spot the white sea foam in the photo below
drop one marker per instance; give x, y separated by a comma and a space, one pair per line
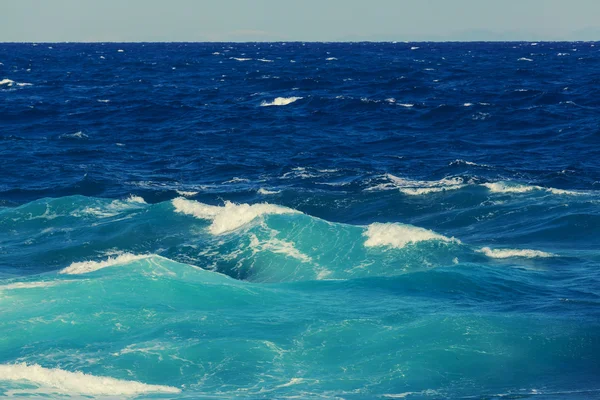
77, 382
84, 267
76, 135
468, 104
186, 193
415, 188
267, 192
240, 59
265, 60
8, 83
230, 216
399, 235
505, 187
510, 253
280, 101
103, 101
525, 59
27, 285
235, 179
278, 246
120, 51
406, 105
136, 199
415, 48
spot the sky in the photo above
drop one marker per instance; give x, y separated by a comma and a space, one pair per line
297, 20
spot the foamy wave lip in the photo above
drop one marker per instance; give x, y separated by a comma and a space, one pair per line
136, 199
76, 135
9, 82
511, 253
280, 101
506, 187
267, 192
186, 193
230, 216
416, 188
84, 267
78, 382
240, 59
525, 59
278, 246
399, 235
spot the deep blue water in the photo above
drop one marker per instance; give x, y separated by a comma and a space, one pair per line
309, 220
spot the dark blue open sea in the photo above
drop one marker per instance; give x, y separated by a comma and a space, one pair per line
300, 220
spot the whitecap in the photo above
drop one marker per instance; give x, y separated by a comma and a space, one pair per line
280, 101
9, 83
230, 216
330, 59
236, 180
506, 187
416, 188
415, 48
267, 192
265, 60
76, 135
399, 235
103, 101
406, 105
278, 246
121, 51
511, 253
84, 267
186, 193
240, 59
525, 59
78, 382
136, 199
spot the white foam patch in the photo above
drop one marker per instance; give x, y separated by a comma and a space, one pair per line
84, 267
278, 246
78, 382
186, 193
76, 135
7, 82
230, 216
400, 235
525, 59
265, 60
330, 59
416, 188
136, 199
240, 59
510, 253
280, 101
506, 187
27, 285
266, 192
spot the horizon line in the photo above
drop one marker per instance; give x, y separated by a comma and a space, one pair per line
296, 41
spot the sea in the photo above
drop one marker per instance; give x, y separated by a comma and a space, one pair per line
300, 220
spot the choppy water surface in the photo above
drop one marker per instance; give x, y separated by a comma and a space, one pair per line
357, 221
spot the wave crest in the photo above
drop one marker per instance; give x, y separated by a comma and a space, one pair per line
230, 216
78, 382
399, 235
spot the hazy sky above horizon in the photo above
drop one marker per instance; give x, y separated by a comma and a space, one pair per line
307, 20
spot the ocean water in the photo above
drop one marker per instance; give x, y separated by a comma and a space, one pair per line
300, 220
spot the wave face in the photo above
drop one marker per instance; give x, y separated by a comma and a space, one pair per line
299, 221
